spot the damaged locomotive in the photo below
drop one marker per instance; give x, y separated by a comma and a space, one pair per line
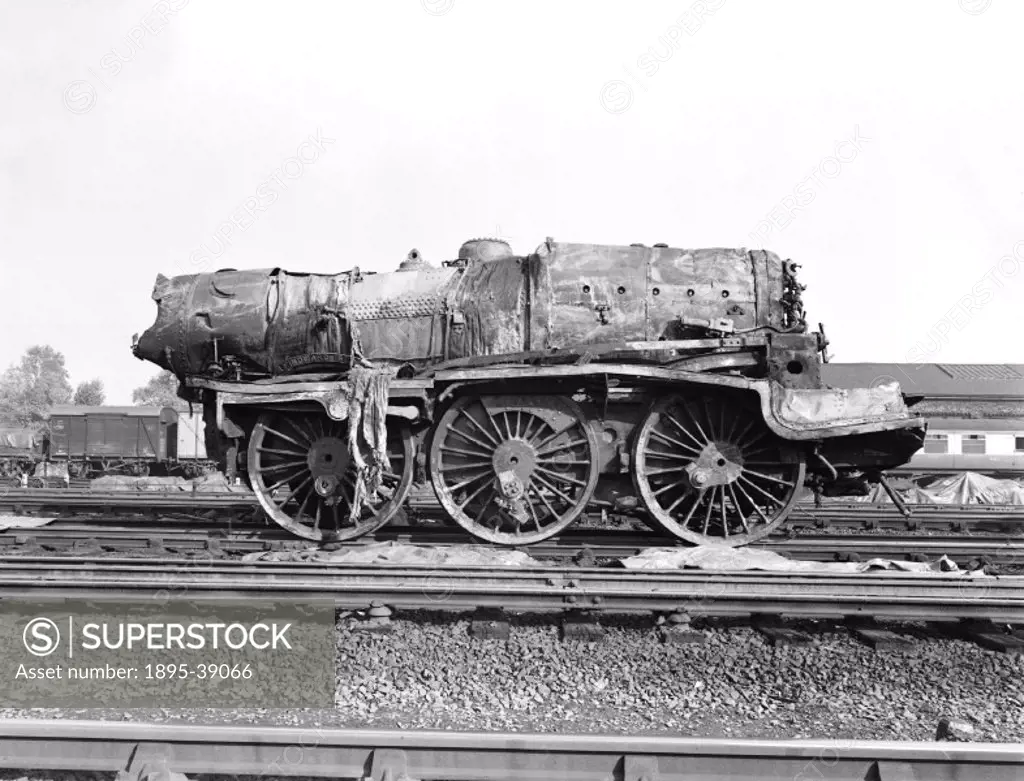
679, 386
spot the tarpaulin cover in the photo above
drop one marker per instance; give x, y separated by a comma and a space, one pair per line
17, 439
367, 415
124, 483
965, 488
971, 488
22, 522
213, 483
722, 559
58, 469
879, 495
399, 553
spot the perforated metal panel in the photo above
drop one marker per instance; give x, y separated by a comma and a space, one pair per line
384, 308
980, 371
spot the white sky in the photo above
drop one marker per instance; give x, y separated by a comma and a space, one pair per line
492, 117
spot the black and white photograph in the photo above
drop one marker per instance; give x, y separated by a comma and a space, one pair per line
504, 390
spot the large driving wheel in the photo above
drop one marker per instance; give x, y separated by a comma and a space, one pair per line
709, 470
306, 480
513, 469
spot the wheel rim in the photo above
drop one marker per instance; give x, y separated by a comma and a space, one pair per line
710, 472
304, 477
513, 470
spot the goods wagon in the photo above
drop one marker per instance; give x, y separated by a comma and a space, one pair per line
191, 437
20, 449
96, 441
113, 440
681, 386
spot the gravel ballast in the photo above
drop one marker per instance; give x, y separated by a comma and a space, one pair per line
428, 673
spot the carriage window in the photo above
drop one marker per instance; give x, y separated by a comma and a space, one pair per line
973, 444
1018, 444
936, 443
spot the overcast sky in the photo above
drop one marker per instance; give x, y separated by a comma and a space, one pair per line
876, 143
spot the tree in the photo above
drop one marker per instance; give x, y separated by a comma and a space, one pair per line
90, 393
160, 391
31, 387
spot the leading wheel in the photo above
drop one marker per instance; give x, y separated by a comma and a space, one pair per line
513, 469
709, 470
307, 481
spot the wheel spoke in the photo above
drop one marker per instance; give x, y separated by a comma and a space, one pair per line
530, 420
759, 489
552, 488
467, 453
563, 478
292, 493
480, 428
487, 503
668, 456
456, 467
285, 452
299, 465
693, 509
667, 470
740, 437
739, 509
725, 517
691, 416
276, 433
493, 422
473, 495
671, 441
302, 507
568, 446
673, 484
279, 483
544, 499
484, 447
754, 504
529, 504
767, 477
700, 445
464, 483
540, 445
707, 515
675, 504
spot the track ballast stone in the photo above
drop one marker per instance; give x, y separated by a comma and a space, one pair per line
429, 673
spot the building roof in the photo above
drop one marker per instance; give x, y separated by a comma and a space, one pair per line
932, 380
968, 425
132, 412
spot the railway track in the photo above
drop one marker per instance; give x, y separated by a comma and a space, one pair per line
184, 538
38, 501
888, 595
139, 751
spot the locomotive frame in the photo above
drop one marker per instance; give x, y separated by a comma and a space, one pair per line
680, 386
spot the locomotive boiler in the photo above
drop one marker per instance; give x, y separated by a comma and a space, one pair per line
680, 386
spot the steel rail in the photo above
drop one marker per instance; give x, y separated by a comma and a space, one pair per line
146, 501
138, 751
240, 538
424, 501
893, 595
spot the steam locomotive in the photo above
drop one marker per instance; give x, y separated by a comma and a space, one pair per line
679, 386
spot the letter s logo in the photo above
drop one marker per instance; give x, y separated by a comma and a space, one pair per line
41, 636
